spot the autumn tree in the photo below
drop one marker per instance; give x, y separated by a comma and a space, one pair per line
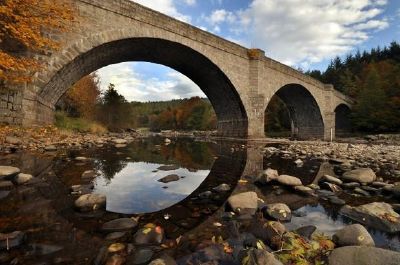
26, 27
82, 98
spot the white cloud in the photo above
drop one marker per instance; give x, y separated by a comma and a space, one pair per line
307, 31
220, 16
167, 7
136, 87
190, 2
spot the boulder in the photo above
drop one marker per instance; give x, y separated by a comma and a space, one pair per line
362, 175
363, 255
119, 141
353, 235
90, 202
119, 225
22, 178
278, 211
289, 180
150, 234
379, 215
169, 178
242, 203
222, 188
267, 176
7, 171
331, 179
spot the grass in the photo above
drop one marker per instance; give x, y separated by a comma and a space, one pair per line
62, 121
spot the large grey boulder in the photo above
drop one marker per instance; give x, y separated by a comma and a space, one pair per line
242, 203
289, 180
362, 255
362, 175
379, 215
353, 235
7, 171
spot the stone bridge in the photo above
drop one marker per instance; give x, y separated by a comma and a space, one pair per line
239, 82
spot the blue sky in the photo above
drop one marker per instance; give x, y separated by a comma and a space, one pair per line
301, 33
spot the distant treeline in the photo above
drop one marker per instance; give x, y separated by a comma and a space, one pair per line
373, 80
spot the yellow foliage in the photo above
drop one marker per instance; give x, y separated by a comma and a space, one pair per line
26, 26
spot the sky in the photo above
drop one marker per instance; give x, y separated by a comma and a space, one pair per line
304, 34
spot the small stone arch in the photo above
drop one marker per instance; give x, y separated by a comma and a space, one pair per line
231, 114
304, 111
343, 126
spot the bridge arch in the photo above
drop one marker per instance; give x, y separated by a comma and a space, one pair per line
79, 60
342, 120
304, 111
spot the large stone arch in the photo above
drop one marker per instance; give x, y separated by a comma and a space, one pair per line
305, 112
88, 55
343, 125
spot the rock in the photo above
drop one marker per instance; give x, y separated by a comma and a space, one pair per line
168, 167
4, 194
289, 180
7, 171
50, 148
116, 260
330, 186
377, 215
81, 158
331, 179
306, 231
299, 163
278, 211
362, 255
116, 247
150, 234
88, 174
260, 256
305, 190
163, 260
119, 225
120, 145
362, 175
13, 140
267, 176
336, 200
116, 236
396, 190
205, 195
119, 141
6, 184
142, 256
90, 202
44, 249
169, 178
222, 188
11, 240
211, 255
22, 178
361, 192
351, 185
353, 235
379, 184
273, 232
244, 203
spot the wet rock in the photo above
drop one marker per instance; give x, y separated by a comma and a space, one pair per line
304, 190
336, 200
396, 190
379, 184
116, 260
142, 256
88, 174
306, 231
81, 158
289, 180
169, 178
260, 256
205, 195
353, 235
150, 234
213, 253
11, 240
222, 188
377, 215
7, 171
362, 255
267, 176
351, 185
119, 141
362, 175
361, 192
50, 148
278, 211
299, 163
370, 189
6, 184
44, 249
273, 232
331, 179
116, 247
330, 186
4, 194
120, 145
22, 178
168, 167
115, 236
119, 225
244, 203
163, 260
90, 202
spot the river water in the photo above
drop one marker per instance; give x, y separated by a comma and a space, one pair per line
130, 178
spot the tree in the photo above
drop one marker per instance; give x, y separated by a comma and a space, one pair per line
26, 27
82, 98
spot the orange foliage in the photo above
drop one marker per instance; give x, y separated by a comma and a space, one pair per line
26, 26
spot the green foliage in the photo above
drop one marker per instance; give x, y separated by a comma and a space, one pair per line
373, 80
277, 118
63, 121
